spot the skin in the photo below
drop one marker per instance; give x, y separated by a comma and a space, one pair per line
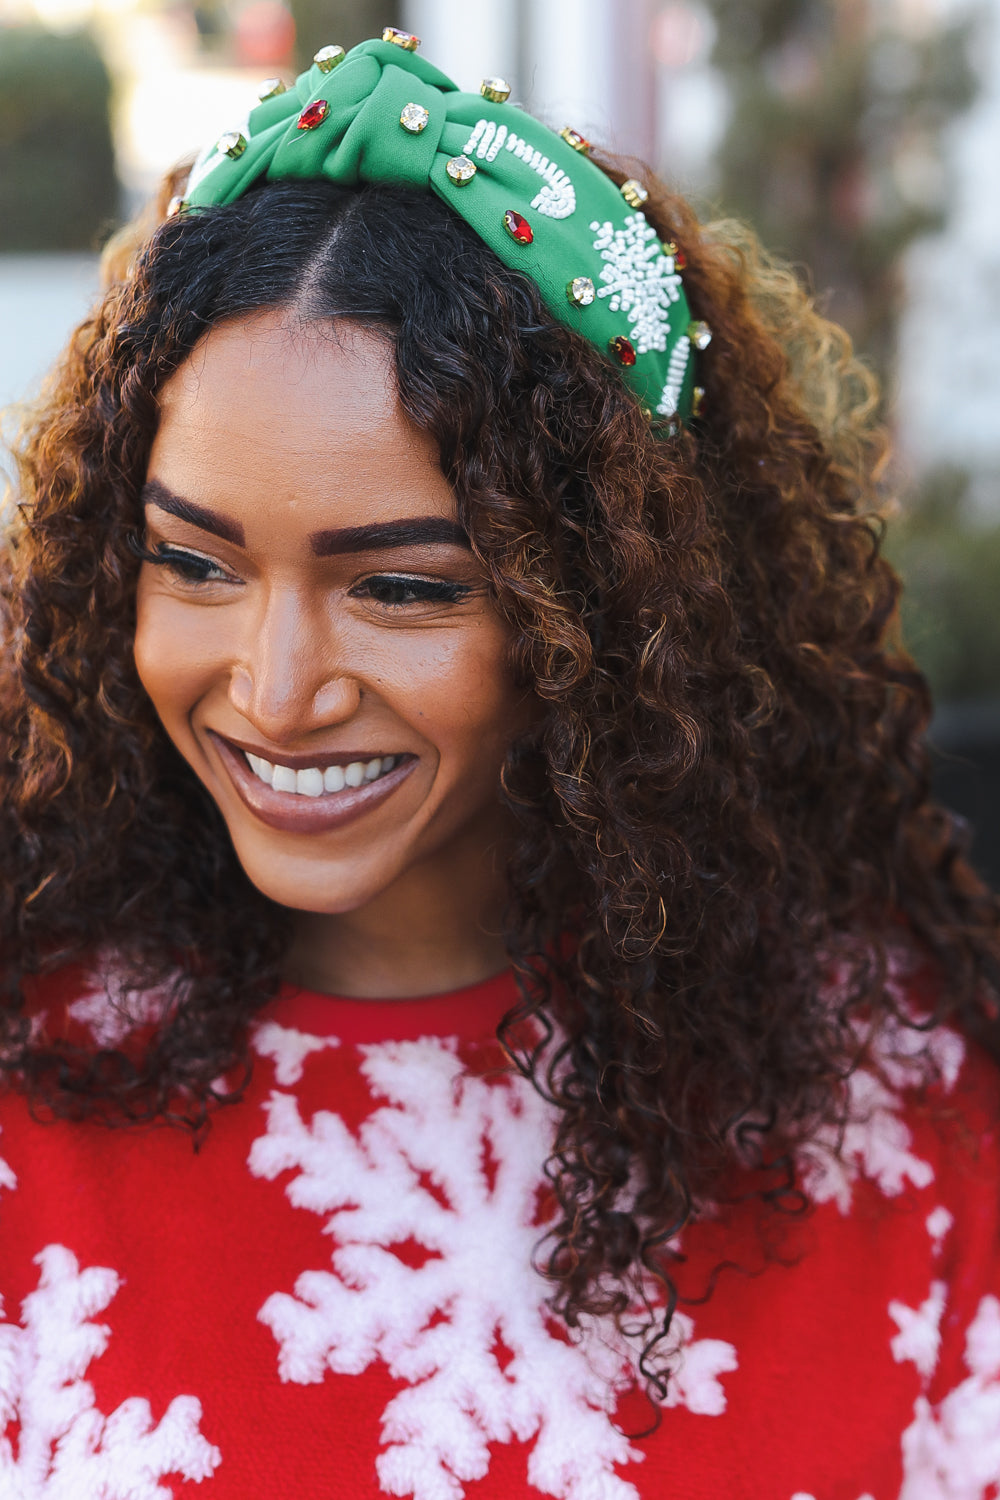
282, 430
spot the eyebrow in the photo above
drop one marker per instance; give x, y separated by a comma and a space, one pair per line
378, 536
155, 493
381, 535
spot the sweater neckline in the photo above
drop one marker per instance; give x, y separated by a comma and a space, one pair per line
471, 1013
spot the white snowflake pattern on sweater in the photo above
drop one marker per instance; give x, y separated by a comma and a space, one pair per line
452, 1163
65, 1448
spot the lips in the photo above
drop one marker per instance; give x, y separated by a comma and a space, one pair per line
292, 813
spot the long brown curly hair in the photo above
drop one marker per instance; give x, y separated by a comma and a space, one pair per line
725, 796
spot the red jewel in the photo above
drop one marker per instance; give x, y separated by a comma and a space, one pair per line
314, 114
622, 349
518, 228
680, 261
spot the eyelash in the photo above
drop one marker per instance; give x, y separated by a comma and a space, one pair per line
420, 590
191, 568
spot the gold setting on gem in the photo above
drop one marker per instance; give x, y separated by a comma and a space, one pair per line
580, 291
460, 170
633, 192
700, 334
404, 39
328, 58
575, 139
496, 90
232, 144
697, 401
413, 118
271, 88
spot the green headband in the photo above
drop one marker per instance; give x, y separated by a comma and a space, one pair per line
381, 114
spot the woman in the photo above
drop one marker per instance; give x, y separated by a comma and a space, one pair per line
446, 596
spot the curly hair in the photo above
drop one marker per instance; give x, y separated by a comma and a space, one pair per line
725, 798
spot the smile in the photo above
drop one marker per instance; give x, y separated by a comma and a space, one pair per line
313, 781
311, 798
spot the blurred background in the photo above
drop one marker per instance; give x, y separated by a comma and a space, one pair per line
860, 137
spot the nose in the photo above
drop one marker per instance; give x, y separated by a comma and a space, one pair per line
289, 679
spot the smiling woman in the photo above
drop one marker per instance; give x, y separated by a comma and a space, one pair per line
343, 691
462, 774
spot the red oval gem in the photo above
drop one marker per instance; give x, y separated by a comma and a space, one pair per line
518, 228
623, 349
314, 114
680, 261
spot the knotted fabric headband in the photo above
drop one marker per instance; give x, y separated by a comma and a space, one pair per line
380, 113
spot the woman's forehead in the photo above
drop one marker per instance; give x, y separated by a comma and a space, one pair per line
275, 417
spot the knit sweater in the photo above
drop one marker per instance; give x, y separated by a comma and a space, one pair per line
334, 1298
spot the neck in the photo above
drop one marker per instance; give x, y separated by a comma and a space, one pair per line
426, 935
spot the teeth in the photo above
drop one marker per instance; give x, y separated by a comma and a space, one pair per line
312, 782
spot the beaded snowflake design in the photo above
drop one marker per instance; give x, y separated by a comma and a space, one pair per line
638, 279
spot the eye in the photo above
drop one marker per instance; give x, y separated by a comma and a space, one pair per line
396, 590
189, 567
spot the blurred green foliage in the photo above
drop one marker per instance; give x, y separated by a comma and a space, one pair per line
833, 148
58, 189
342, 23
951, 567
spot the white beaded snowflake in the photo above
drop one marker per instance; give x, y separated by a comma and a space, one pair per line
638, 279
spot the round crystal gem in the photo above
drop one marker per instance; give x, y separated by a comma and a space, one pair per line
623, 349
271, 88
414, 118
497, 90
327, 58
232, 144
404, 39
574, 138
634, 193
314, 114
518, 227
580, 291
461, 170
700, 334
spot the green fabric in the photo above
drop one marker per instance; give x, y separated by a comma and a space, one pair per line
582, 225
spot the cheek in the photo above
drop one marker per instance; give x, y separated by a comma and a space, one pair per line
469, 704
176, 657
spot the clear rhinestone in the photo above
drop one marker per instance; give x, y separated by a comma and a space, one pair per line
700, 334
634, 193
414, 118
177, 205
404, 39
271, 88
232, 144
461, 170
575, 139
497, 90
580, 291
327, 58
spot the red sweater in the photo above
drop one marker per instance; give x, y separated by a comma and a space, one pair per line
333, 1299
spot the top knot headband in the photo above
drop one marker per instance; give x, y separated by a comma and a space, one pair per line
379, 113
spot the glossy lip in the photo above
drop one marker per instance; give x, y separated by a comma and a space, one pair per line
291, 813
